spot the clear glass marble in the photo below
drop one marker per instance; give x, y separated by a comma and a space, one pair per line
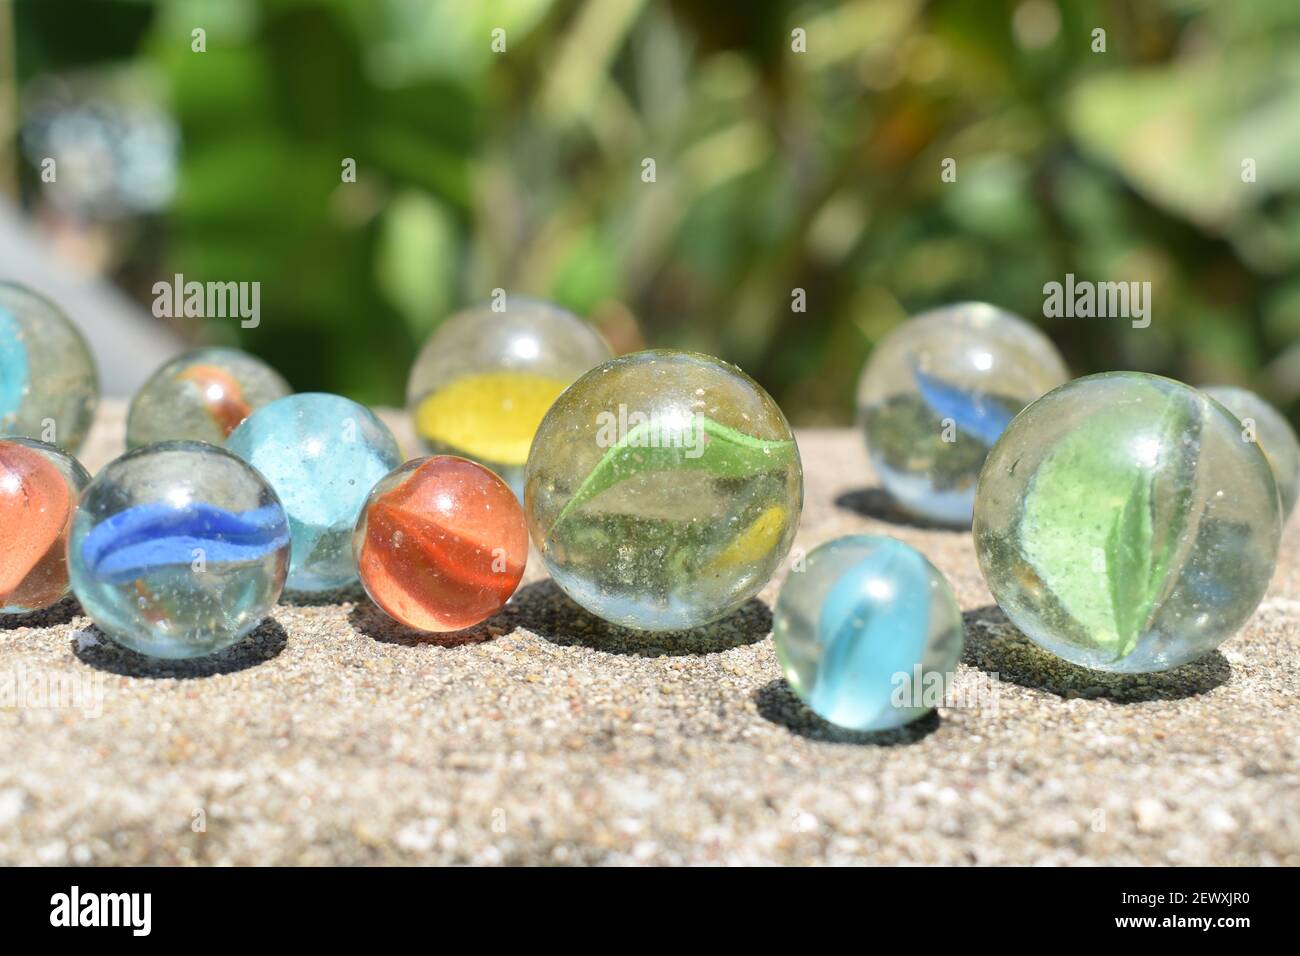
201, 395
48, 384
1122, 523
178, 549
322, 454
1264, 425
663, 489
868, 632
936, 394
484, 379
39, 489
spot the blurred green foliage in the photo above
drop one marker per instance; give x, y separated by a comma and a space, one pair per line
775, 170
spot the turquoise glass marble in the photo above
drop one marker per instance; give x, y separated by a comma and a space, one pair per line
1122, 523
936, 394
202, 395
322, 454
663, 489
866, 631
1262, 424
48, 384
178, 549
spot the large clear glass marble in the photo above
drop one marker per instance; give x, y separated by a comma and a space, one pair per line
936, 394
868, 632
1123, 524
322, 454
178, 549
484, 379
441, 544
39, 488
48, 384
201, 395
663, 489
1264, 425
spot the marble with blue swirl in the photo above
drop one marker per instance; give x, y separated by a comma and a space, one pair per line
976, 413
937, 394
153, 537
178, 549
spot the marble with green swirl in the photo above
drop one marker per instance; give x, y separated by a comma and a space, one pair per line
1123, 525
663, 489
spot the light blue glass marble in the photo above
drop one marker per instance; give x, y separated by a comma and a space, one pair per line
178, 549
859, 624
48, 384
322, 454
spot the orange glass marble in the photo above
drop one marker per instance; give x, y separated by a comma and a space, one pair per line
441, 543
39, 488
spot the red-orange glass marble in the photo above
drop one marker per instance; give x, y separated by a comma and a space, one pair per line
39, 488
441, 543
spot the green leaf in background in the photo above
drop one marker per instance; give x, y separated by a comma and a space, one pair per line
1179, 133
776, 170
415, 260
588, 274
727, 453
439, 38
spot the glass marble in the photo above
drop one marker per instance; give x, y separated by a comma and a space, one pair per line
39, 488
1264, 425
441, 543
48, 384
936, 394
178, 549
484, 379
1122, 523
663, 489
322, 454
201, 395
866, 631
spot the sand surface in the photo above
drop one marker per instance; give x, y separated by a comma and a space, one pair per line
333, 735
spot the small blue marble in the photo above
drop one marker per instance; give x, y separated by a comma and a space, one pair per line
322, 454
855, 627
178, 549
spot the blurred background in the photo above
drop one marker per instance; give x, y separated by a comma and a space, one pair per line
780, 163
